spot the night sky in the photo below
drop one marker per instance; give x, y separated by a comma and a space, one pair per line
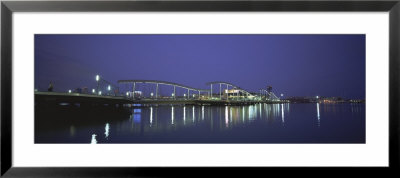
295, 65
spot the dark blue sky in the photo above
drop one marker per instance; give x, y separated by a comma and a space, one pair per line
295, 65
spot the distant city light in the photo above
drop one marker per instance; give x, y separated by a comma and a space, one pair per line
93, 91
151, 94
109, 87
194, 95
172, 94
184, 94
69, 91
99, 92
281, 94
317, 97
127, 93
97, 77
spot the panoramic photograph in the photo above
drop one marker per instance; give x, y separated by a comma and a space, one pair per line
199, 88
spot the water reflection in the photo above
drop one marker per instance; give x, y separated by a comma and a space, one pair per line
269, 120
283, 115
72, 130
94, 141
226, 117
184, 115
107, 130
151, 116
193, 114
202, 112
318, 115
172, 115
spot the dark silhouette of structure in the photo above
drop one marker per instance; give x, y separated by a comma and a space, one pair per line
51, 86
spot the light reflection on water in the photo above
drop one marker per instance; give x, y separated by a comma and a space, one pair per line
260, 123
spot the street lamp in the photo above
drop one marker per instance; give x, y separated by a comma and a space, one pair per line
151, 94
127, 93
97, 80
99, 92
69, 91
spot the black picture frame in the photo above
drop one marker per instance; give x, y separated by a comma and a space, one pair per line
8, 7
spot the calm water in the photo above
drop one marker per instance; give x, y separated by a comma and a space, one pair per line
261, 123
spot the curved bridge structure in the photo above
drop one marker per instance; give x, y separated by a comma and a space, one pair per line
159, 82
227, 87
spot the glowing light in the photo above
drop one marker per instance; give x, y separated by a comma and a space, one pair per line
172, 94
243, 113
109, 87
151, 94
184, 95
172, 115
107, 128
99, 92
97, 77
184, 115
94, 141
318, 114
151, 116
69, 91
317, 97
226, 117
93, 91
283, 114
127, 93
36, 90
202, 112
194, 95
193, 113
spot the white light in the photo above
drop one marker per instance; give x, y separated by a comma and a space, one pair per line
99, 92
109, 87
127, 93
317, 97
226, 117
151, 116
94, 141
193, 114
281, 94
184, 95
194, 95
172, 94
151, 94
69, 91
97, 77
93, 91
107, 130
172, 115
184, 115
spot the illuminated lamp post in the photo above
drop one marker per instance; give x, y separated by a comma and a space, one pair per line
97, 80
